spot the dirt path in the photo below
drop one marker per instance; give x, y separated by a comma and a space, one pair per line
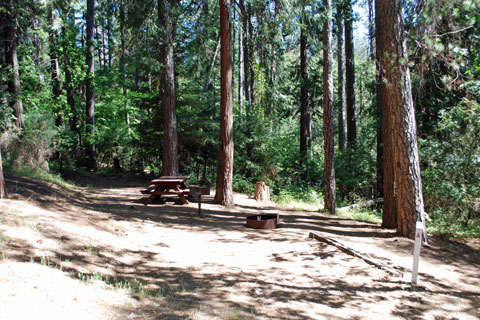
172, 264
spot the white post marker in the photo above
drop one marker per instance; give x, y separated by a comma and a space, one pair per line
419, 229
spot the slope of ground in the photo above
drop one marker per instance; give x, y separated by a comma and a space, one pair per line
166, 262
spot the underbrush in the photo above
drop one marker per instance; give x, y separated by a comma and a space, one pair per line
304, 198
454, 228
39, 174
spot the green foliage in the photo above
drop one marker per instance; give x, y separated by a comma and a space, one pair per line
364, 214
42, 175
299, 198
243, 185
451, 162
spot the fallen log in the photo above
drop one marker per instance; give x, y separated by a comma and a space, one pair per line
354, 253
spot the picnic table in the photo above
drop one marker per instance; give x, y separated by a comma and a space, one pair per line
166, 186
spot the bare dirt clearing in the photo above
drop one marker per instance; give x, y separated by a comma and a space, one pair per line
166, 262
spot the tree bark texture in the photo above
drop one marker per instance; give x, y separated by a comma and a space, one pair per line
89, 90
350, 77
10, 36
397, 106
224, 189
341, 87
167, 78
304, 112
328, 114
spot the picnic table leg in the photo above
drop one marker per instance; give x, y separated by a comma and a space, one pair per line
150, 199
199, 204
182, 197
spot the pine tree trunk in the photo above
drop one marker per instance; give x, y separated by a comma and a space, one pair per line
167, 78
109, 33
12, 62
224, 192
328, 115
350, 77
397, 103
304, 112
90, 96
122, 64
341, 87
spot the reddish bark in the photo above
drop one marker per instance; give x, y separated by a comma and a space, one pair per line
224, 190
328, 116
402, 153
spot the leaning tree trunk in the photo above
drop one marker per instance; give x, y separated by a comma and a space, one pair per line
350, 77
224, 192
89, 90
167, 78
341, 88
11, 59
328, 116
397, 105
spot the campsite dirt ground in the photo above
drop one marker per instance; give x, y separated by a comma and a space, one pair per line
164, 261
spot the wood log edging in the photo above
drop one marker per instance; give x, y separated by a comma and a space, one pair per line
357, 254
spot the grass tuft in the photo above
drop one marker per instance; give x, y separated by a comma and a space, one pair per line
364, 214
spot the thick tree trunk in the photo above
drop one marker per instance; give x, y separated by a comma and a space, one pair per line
341, 87
397, 105
224, 192
90, 96
167, 78
304, 112
12, 63
388, 219
328, 115
350, 77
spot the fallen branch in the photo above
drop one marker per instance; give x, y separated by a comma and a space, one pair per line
354, 253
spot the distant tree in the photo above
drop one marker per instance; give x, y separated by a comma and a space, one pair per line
341, 80
89, 89
11, 59
224, 189
168, 93
400, 130
3, 193
350, 75
304, 103
328, 115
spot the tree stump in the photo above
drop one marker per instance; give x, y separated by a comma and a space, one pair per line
262, 191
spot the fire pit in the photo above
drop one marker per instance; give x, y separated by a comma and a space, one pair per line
263, 221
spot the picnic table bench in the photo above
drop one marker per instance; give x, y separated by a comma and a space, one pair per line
167, 186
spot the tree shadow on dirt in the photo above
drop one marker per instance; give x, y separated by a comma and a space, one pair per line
182, 289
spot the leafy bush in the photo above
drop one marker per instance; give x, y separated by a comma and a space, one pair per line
451, 168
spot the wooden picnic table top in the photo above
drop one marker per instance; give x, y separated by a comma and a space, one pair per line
170, 179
